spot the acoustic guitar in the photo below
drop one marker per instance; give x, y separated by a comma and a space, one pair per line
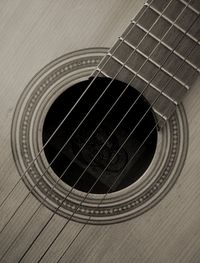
100, 131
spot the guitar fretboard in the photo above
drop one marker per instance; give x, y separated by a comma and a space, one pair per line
159, 53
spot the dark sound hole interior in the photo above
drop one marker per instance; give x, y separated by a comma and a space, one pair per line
101, 156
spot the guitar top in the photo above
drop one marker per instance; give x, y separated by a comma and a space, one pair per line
51, 52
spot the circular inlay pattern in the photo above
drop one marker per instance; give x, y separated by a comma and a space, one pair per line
37, 174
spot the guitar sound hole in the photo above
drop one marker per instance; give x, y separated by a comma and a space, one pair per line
105, 155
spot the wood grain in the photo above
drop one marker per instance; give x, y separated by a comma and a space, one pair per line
32, 34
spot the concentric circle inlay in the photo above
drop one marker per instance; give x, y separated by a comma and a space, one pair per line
40, 179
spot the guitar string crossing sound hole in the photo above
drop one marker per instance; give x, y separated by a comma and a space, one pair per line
97, 150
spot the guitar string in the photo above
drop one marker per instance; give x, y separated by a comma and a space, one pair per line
155, 126
96, 128
67, 115
55, 157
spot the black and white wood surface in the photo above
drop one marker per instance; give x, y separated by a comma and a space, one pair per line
34, 33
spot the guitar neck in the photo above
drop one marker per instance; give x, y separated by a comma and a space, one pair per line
159, 53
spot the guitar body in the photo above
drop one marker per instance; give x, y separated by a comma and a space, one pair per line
34, 33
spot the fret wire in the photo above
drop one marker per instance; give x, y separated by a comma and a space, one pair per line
160, 114
102, 72
140, 76
170, 21
190, 7
167, 46
156, 64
